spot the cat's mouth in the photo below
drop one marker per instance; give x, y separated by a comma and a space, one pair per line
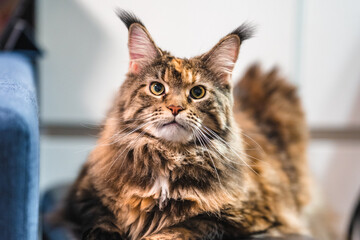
173, 131
173, 123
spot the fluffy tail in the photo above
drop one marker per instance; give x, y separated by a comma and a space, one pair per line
274, 107
273, 104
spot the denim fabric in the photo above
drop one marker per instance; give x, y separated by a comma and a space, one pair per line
19, 149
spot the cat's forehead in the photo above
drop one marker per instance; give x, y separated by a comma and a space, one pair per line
180, 72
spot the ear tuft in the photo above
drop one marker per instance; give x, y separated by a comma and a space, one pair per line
128, 18
142, 49
221, 58
244, 32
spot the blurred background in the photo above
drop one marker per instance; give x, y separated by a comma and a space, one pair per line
315, 43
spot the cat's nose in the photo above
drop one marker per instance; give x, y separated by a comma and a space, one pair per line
175, 109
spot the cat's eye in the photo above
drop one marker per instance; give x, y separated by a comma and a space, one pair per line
157, 88
197, 92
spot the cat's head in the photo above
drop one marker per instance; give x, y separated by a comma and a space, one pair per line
177, 99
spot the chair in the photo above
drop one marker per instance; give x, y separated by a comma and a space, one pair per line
19, 148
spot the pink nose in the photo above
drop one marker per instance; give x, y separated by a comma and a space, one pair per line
175, 109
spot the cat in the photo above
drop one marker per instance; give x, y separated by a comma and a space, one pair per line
184, 154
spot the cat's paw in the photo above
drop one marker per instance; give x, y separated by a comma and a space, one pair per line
100, 234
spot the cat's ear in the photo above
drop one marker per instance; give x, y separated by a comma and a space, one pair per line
142, 49
222, 57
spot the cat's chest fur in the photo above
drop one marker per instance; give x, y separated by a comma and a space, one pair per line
165, 188
155, 204
160, 191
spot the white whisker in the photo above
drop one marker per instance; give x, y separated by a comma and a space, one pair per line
226, 144
251, 139
128, 146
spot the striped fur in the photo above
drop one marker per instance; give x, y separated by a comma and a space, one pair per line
244, 174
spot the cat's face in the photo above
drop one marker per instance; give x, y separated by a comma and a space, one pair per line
173, 99
181, 97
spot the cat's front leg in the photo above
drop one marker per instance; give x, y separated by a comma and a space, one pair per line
191, 230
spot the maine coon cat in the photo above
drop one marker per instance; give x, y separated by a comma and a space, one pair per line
181, 156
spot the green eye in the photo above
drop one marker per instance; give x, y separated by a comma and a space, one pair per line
157, 88
197, 92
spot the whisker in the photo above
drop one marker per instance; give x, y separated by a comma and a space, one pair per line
241, 153
121, 135
134, 141
250, 138
221, 154
196, 129
212, 146
126, 148
219, 138
226, 144
213, 163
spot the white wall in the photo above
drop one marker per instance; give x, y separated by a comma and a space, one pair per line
330, 66
315, 42
86, 44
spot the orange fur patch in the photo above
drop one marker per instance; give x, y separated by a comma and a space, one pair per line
187, 74
178, 64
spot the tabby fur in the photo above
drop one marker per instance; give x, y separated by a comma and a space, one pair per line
245, 172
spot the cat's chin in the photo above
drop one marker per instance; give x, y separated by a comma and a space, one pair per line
173, 132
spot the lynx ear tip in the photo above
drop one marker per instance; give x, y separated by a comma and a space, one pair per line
244, 31
128, 18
